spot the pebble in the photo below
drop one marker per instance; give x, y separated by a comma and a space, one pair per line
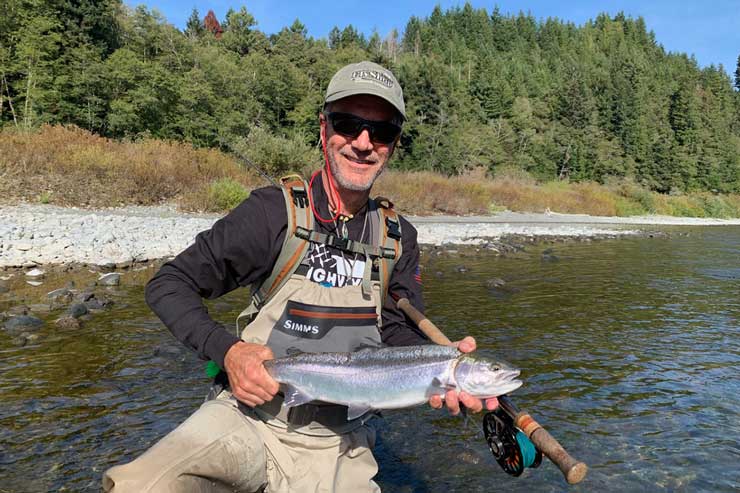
35, 273
68, 322
77, 310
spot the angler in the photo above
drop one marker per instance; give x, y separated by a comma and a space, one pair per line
244, 438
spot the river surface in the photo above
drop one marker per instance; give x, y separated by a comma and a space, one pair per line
629, 348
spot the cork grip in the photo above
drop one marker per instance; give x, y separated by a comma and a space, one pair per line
573, 470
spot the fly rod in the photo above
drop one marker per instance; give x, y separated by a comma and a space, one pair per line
573, 470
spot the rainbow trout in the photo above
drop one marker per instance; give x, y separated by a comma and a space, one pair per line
388, 378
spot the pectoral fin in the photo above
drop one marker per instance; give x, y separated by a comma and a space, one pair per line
294, 397
357, 410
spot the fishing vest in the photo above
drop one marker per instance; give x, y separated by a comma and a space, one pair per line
290, 312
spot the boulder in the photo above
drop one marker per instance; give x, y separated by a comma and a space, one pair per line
110, 279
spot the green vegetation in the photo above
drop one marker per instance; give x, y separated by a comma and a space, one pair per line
601, 106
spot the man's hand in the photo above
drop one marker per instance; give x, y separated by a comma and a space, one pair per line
250, 383
452, 399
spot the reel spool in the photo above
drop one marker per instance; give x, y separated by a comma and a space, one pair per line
511, 448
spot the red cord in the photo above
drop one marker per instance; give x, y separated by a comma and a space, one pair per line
332, 189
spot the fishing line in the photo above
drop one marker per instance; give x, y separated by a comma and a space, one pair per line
527, 448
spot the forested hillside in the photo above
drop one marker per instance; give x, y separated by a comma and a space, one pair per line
483, 89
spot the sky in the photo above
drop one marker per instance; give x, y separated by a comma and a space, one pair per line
710, 30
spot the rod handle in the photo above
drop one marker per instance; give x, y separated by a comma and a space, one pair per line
426, 326
573, 470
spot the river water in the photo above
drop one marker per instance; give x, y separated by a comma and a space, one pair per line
629, 348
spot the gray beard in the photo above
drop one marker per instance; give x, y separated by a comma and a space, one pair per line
355, 187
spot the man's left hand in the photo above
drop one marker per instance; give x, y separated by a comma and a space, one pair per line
453, 399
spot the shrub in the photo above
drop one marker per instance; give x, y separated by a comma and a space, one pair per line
225, 194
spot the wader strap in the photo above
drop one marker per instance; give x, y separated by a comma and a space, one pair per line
390, 239
295, 193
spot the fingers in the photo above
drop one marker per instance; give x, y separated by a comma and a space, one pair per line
250, 382
466, 345
453, 400
436, 401
491, 403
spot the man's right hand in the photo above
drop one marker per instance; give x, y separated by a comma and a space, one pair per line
250, 383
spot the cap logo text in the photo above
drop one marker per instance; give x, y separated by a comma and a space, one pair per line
373, 75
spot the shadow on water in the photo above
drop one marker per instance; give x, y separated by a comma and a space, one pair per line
630, 353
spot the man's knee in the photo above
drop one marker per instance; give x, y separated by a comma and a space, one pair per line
217, 448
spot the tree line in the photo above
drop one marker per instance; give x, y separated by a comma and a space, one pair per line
483, 89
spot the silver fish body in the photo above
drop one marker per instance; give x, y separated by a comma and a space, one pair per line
388, 378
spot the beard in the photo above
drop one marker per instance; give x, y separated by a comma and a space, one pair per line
346, 183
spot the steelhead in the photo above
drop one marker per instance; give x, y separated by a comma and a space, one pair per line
388, 378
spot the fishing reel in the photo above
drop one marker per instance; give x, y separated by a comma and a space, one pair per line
513, 451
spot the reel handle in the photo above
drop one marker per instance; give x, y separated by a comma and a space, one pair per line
573, 470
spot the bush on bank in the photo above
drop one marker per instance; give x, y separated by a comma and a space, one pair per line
68, 166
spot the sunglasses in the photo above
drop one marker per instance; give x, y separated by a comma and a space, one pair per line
352, 126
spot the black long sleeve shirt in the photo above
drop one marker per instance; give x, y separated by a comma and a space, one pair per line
240, 250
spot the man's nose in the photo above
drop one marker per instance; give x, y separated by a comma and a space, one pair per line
363, 142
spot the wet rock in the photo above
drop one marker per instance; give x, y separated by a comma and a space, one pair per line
68, 322
77, 310
20, 340
98, 303
35, 284
23, 322
110, 279
3, 288
35, 274
439, 273
85, 296
495, 283
62, 295
462, 269
40, 308
19, 310
550, 258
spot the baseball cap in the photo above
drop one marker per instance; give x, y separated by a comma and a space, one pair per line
366, 78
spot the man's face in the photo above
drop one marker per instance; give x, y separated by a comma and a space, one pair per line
357, 161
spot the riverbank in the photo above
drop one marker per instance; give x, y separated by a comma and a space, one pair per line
34, 235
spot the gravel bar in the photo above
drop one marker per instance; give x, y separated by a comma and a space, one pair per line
33, 235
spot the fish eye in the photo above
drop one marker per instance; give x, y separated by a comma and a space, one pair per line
495, 368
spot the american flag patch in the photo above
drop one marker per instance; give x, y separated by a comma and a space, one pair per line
417, 274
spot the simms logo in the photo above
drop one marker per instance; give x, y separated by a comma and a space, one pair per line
303, 328
373, 75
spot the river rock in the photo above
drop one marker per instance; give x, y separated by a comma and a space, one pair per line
111, 279
68, 322
35, 273
4, 288
23, 322
62, 295
77, 310
35, 284
495, 283
462, 269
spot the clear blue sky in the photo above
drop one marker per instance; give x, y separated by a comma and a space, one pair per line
710, 30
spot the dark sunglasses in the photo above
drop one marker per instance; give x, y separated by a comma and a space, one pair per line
352, 126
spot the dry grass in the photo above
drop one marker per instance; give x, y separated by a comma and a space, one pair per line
69, 166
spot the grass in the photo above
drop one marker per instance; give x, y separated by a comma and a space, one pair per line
69, 166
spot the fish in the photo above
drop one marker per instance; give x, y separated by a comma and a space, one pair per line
389, 377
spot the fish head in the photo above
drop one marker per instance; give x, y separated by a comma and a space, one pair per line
483, 377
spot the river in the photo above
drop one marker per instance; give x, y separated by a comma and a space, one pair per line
629, 350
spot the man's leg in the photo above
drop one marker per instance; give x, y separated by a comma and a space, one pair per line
215, 449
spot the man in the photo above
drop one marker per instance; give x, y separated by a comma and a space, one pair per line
327, 261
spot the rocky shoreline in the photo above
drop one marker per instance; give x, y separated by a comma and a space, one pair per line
43, 235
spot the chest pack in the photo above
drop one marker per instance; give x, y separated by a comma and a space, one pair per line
381, 254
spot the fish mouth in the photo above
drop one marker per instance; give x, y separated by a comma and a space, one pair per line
508, 382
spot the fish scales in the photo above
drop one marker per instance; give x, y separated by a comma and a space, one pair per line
387, 378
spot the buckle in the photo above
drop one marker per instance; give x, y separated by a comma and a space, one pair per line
302, 233
388, 253
300, 197
340, 243
393, 230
